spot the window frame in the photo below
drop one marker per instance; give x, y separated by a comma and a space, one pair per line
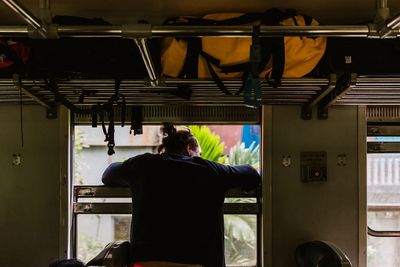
82, 192
382, 130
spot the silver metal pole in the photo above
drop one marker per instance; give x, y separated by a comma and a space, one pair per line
44, 11
394, 23
17, 31
265, 31
148, 62
23, 13
227, 31
44, 4
85, 31
382, 11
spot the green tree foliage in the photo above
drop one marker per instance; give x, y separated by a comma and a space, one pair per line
240, 230
210, 143
88, 247
239, 154
79, 145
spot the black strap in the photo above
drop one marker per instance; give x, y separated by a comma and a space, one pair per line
136, 120
123, 111
103, 125
190, 66
117, 85
210, 59
111, 131
307, 20
252, 86
217, 79
244, 78
278, 62
117, 97
94, 116
243, 19
274, 47
235, 67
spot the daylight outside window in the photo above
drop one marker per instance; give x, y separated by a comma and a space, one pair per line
227, 144
383, 187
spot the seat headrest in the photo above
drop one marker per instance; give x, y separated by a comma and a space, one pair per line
320, 254
115, 254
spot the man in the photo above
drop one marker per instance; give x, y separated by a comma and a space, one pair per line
177, 200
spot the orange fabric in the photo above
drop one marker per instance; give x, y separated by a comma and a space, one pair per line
302, 54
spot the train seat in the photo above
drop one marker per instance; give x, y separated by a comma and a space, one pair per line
320, 254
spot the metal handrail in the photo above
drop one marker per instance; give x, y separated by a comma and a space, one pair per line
385, 233
376, 233
86, 31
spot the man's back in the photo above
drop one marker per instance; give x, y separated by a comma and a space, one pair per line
177, 207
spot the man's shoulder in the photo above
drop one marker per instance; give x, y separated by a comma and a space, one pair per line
142, 157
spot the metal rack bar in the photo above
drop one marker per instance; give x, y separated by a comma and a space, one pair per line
104, 191
18, 85
306, 112
343, 86
148, 62
394, 23
23, 13
30, 19
126, 208
87, 31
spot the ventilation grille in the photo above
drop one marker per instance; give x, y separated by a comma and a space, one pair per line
383, 113
186, 114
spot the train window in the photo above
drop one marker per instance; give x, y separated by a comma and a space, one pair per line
383, 196
102, 215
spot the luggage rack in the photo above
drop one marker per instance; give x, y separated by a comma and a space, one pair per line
362, 90
347, 89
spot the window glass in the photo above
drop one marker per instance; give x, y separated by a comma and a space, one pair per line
383, 138
383, 187
95, 231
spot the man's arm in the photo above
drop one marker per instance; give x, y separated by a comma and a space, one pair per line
115, 175
243, 176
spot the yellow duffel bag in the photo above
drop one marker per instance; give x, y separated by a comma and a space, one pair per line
222, 58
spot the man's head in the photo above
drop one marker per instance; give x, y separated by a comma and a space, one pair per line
179, 141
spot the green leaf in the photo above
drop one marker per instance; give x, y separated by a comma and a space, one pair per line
210, 143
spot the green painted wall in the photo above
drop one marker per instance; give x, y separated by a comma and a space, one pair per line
30, 192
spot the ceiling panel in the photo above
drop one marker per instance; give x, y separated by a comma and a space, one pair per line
156, 11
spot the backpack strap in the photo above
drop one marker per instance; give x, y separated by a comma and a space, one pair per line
274, 46
243, 19
136, 120
103, 125
123, 111
217, 79
94, 116
116, 98
307, 20
278, 62
111, 131
252, 86
191, 64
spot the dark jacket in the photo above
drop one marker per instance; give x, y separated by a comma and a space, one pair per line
177, 205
